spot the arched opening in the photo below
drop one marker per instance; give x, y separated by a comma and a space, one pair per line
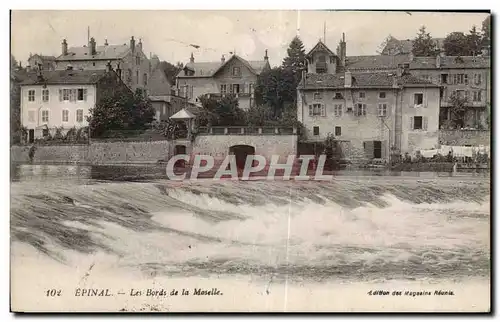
241, 152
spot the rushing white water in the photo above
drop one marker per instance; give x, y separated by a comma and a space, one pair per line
350, 230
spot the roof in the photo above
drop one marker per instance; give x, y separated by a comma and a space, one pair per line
451, 62
375, 62
404, 46
362, 80
182, 114
65, 77
108, 52
320, 46
209, 69
44, 57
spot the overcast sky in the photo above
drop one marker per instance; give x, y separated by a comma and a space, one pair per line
169, 33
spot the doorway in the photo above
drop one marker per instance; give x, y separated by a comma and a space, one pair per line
180, 149
241, 152
31, 135
377, 149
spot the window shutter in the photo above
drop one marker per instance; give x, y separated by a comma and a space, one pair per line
411, 122
424, 126
60, 95
230, 88
85, 94
191, 91
323, 110
310, 110
466, 79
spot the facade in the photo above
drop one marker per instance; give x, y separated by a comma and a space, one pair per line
45, 62
374, 114
468, 76
232, 76
130, 58
62, 98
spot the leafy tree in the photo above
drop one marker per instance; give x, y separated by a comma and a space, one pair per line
120, 112
295, 61
260, 115
486, 31
474, 42
220, 111
458, 107
276, 87
16, 74
423, 44
456, 44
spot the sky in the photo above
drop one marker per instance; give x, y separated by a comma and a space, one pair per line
169, 33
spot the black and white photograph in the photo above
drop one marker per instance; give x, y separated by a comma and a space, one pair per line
272, 161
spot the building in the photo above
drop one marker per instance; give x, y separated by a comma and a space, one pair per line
394, 46
374, 113
468, 76
162, 95
130, 58
232, 76
45, 62
62, 98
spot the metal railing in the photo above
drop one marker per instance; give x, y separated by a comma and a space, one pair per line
246, 130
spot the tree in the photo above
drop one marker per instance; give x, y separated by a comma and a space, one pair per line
458, 107
456, 44
486, 31
295, 61
220, 111
474, 42
260, 115
276, 87
120, 112
423, 44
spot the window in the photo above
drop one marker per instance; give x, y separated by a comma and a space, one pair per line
93, 64
223, 89
460, 79
418, 123
317, 110
31, 116
82, 94
477, 79
321, 66
418, 99
251, 88
145, 79
45, 116
338, 110
31, 95
338, 131
361, 94
236, 88
476, 96
138, 60
236, 71
382, 109
444, 78
137, 77
316, 130
381, 95
460, 93
360, 109
338, 96
45, 95
318, 96
79, 116
65, 115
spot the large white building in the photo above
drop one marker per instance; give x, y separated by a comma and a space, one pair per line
63, 98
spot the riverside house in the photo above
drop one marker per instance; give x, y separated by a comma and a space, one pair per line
62, 98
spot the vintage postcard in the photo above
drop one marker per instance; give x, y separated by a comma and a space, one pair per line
250, 161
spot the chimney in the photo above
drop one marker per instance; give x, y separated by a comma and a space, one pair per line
438, 61
191, 59
91, 48
132, 44
266, 58
140, 44
347, 79
223, 59
64, 46
108, 66
343, 50
105, 42
118, 70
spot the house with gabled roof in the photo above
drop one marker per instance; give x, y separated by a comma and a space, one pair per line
130, 58
42, 61
234, 75
375, 113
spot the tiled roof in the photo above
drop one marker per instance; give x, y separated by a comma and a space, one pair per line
375, 62
208, 69
451, 62
405, 46
361, 80
44, 57
65, 77
102, 52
